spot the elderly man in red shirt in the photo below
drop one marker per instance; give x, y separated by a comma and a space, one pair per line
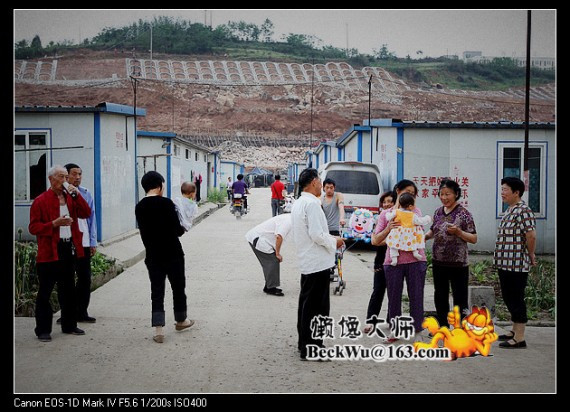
53, 220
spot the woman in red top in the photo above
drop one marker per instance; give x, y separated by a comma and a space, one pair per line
53, 220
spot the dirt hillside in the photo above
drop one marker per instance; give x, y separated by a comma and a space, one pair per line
203, 95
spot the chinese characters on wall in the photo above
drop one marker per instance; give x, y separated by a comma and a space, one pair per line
428, 187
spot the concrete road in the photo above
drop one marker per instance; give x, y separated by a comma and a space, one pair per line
245, 341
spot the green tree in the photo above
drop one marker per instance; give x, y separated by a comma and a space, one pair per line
384, 53
267, 31
36, 43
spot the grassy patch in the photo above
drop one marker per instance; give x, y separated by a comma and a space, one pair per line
26, 283
539, 295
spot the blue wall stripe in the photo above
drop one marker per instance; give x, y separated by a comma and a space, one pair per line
359, 155
97, 172
400, 153
168, 170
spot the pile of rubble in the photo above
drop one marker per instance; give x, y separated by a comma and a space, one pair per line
268, 157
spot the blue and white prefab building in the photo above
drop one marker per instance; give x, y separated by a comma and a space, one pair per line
476, 154
100, 139
178, 160
230, 169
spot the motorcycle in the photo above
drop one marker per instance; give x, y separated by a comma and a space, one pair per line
238, 205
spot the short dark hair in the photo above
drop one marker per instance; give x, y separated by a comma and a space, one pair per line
385, 195
151, 180
307, 176
450, 184
239, 177
402, 184
329, 181
407, 200
277, 177
514, 183
70, 166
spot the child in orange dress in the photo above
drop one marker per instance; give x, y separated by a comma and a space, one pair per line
409, 236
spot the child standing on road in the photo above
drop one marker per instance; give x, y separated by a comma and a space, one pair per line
186, 206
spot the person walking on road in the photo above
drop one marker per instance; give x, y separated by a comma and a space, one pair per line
278, 194
160, 229
88, 228
513, 258
53, 220
316, 249
229, 188
452, 229
265, 240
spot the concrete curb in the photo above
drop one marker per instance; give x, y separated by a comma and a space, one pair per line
127, 249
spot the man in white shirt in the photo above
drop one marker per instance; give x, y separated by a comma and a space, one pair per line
316, 250
265, 240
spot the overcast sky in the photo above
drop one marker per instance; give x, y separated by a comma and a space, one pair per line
434, 32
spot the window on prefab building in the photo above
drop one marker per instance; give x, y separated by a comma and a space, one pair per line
30, 164
187, 154
511, 164
205, 158
196, 157
176, 150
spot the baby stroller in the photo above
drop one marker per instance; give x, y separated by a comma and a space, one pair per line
338, 267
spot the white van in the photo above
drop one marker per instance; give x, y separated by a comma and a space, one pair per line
360, 183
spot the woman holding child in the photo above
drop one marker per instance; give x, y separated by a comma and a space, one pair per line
407, 267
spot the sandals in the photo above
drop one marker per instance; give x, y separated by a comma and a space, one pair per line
507, 337
158, 338
182, 326
517, 345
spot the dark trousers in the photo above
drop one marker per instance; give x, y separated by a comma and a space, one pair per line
270, 266
458, 277
83, 283
378, 292
314, 300
275, 209
415, 276
62, 273
379, 285
157, 273
513, 285
197, 190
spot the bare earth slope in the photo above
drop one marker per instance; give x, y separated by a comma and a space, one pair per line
207, 96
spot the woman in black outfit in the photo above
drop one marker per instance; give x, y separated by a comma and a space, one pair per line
160, 229
379, 289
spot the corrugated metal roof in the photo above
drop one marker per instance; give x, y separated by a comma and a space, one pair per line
146, 133
477, 125
104, 107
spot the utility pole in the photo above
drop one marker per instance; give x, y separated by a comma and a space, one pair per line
151, 41
527, 106
369, 100
347, 40
134, 86
312, 85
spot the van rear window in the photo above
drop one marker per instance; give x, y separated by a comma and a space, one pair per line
350, 181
